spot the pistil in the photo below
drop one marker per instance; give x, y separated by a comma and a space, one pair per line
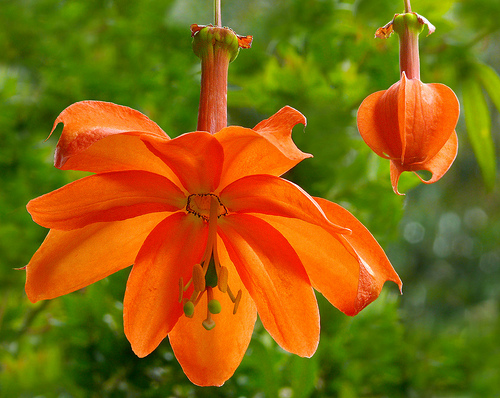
209, 273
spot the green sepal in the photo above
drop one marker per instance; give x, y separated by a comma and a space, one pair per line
212, 38
408, 21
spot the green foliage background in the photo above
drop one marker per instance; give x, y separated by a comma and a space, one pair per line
439, 339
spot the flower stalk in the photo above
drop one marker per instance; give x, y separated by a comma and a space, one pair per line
216, 47
407, 6
408, 27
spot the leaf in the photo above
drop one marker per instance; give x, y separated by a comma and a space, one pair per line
490, 81
478, 122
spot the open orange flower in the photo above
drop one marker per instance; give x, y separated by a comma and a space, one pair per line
411, 123
213, 233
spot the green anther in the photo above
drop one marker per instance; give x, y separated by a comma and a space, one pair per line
189, 309
214, 306
211, 275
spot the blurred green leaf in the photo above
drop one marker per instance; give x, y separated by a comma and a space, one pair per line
478, 122
490, 81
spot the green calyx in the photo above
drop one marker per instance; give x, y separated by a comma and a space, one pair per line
409, 21
210, 39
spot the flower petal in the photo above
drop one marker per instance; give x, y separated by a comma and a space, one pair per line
106, 197
409, 122
275, 278
268, 148
272, 195
371, 116
118, 152
332, 269
196, 159
349, 271
374, 266
151, 305
70, 260
429, 116
209, 358
438, 165
86, 122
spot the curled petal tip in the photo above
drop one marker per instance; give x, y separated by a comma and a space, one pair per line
395, 174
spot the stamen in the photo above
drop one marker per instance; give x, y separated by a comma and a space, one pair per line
231, 295
209, 323
189, 309
214, 306
197, 298
181, 289
223, 275
237, 302
198, 278
208, 273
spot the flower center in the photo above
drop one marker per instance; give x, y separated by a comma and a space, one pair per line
200, 204
209, 273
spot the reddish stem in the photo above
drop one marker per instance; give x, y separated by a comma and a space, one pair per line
407, 6
409, 60
212, 113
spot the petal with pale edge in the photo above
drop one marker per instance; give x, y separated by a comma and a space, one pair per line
196, 159
86, 122
210, 357
70, 260
374, 266
349, 271
268, 148
106, 197
275, 278
273, 195
438, 165
151, 305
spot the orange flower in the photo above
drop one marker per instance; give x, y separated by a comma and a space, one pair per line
411, 123
213, 233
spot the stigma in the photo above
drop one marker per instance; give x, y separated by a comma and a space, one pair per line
209, 273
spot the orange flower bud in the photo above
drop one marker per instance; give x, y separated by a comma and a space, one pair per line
411, 123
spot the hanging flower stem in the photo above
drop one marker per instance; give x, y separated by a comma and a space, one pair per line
212, 113
407, 6
217, 13
216, 47
408, 28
